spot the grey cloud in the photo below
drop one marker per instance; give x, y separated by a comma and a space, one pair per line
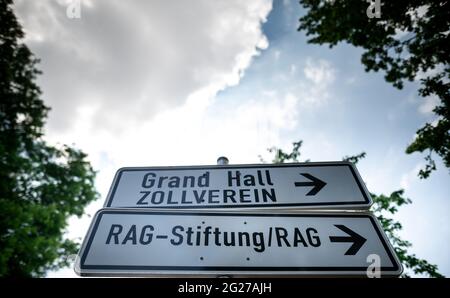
134, 59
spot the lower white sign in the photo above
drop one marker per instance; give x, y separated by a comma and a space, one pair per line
137, 242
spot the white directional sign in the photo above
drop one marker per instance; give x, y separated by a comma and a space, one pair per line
300, 185
144, 242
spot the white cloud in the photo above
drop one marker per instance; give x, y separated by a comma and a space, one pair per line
428, 104
135, 59
314, 89
192, 133
319, 72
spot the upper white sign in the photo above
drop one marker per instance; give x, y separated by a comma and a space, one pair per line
296, 185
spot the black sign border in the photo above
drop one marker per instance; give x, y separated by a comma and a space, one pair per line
394, 268
367, 201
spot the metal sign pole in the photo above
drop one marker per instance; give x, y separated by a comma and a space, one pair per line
222, 160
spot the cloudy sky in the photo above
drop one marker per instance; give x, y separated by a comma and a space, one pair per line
145, 83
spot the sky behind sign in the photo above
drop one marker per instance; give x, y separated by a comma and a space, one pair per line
148, 83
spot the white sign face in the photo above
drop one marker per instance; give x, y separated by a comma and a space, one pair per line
301, 185
143, 242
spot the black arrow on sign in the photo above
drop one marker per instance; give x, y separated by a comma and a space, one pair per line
316, 182
358, 240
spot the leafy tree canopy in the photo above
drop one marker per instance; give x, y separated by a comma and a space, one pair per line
409, 41
40, 185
